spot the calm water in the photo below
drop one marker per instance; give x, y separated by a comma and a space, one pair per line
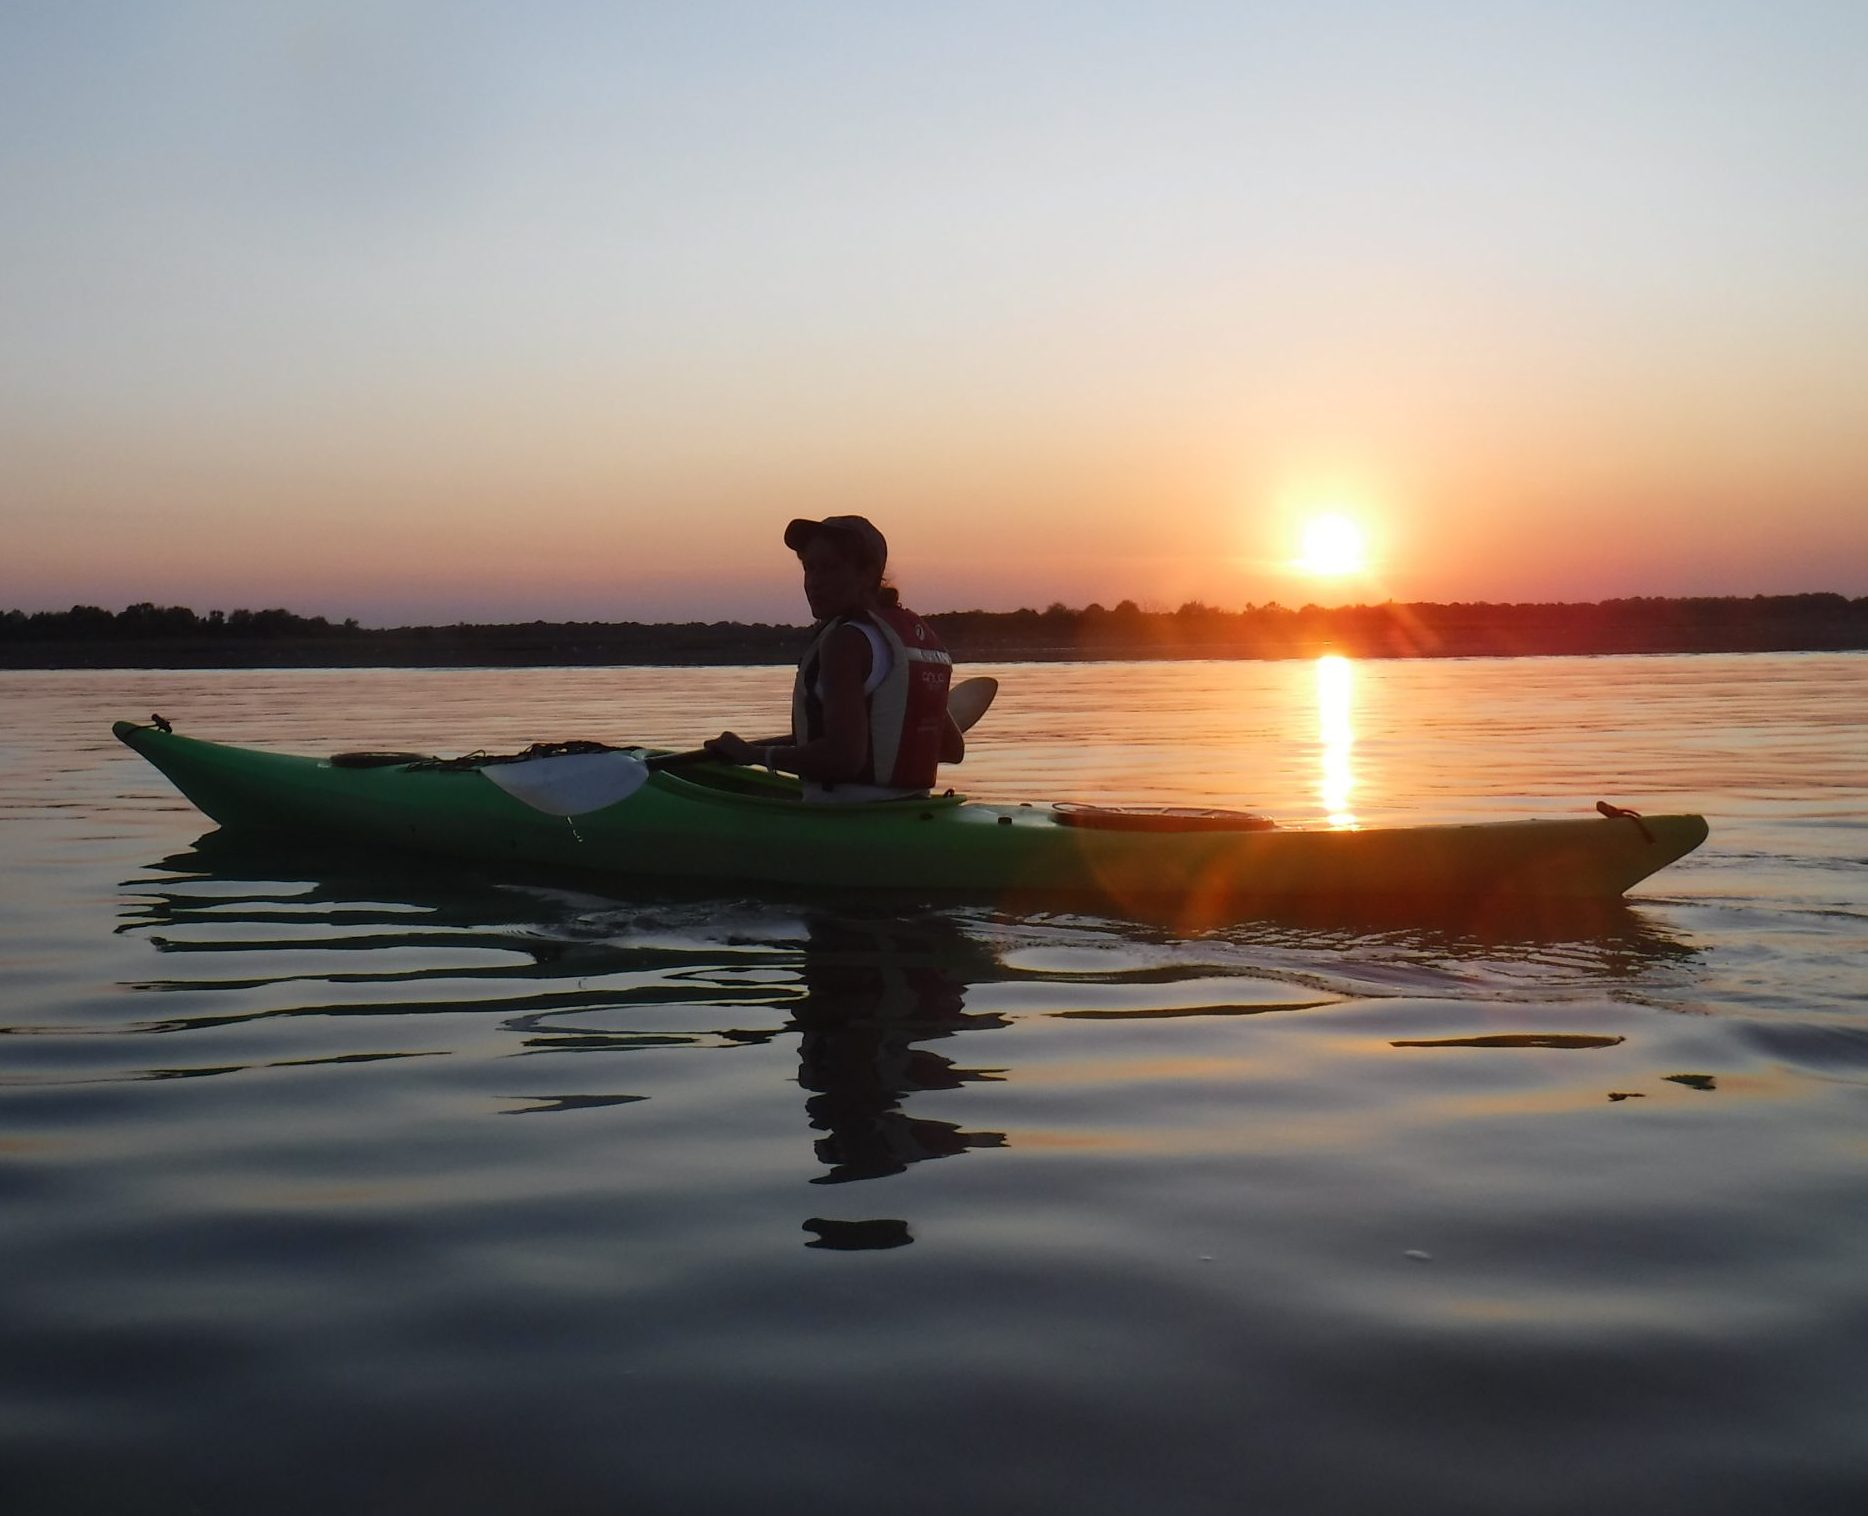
847, 1206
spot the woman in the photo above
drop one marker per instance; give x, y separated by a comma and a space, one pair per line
869, 706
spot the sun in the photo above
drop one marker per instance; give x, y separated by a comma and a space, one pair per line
1331, 546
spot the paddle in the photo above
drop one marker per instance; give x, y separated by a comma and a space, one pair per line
577, 783
967, 701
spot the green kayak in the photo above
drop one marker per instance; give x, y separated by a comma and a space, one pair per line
712, 821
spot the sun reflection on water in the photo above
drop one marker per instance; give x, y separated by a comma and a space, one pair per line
1336, 687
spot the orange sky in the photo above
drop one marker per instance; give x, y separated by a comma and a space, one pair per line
409, 314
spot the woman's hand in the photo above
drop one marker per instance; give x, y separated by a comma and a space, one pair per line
732, 747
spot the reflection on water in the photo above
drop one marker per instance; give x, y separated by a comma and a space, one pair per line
306, 936
1336, 687
577, 974
875, 991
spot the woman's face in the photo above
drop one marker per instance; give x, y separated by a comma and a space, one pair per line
834, 583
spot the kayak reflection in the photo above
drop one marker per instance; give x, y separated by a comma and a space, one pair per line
385, 944
457, 995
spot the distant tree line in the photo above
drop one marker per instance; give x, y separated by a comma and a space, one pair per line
1416, 630
151, 636
145, 620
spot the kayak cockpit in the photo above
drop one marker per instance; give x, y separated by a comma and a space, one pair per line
732, 784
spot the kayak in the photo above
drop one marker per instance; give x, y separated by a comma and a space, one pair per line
707, 820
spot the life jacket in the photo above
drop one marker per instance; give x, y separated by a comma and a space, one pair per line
907, 710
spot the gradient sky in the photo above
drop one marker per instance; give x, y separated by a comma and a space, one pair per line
471, 311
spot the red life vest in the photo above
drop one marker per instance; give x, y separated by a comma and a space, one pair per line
907, 711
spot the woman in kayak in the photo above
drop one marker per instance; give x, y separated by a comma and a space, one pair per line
869, 706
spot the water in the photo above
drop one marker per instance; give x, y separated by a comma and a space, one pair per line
841, 1206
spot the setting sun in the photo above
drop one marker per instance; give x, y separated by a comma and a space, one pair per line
1331, 545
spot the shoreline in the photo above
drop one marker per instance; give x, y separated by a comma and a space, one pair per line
149, 637
321, 656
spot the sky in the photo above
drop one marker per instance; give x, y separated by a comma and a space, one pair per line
471, 311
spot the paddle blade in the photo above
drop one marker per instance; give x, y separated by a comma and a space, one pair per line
967, 701
573, 784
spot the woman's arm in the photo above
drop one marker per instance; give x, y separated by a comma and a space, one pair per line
838, 755
842, 751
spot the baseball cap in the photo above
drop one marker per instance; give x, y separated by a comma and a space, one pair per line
874, 545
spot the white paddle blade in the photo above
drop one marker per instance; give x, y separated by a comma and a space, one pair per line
573, 784
967, 700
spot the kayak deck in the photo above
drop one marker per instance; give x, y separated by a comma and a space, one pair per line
715, 821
